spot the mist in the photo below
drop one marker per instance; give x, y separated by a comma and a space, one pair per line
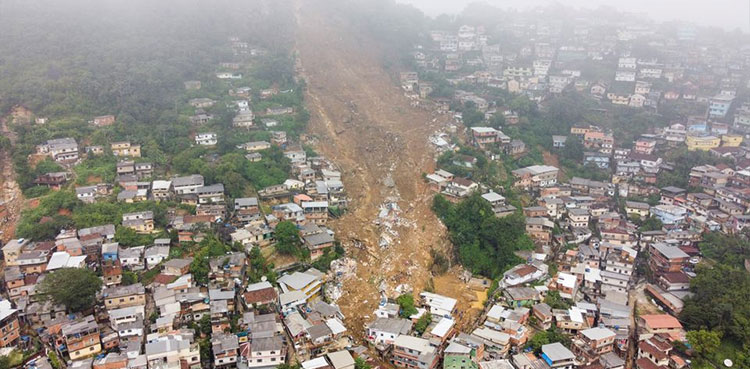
726, 14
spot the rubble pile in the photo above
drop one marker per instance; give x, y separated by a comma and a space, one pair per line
341, 270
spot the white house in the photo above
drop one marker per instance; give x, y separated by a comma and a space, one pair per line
206, 139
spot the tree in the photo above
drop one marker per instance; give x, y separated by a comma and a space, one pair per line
209, 247
360, 363
542, 338
73, 287
719, 303
128, 278
651, 223
287, 238
555, 301
296, 365
704, 343
406, 305
484, 243
423, 322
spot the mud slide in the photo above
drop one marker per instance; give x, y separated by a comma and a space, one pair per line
366, 125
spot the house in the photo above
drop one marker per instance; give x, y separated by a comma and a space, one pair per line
161, 190
206, 139
459, 188
260, 293
703, 143
141, 222
10, 329
201, 102
124, 296
644, 146
309, 283
187, 185
255, 146
669, 214
211, 194
13, 249
665, 258
641, 209
566, 284
655, 350
279, 110
592, 343
61, 150
486, 136
414, 353
578, 218
173, 351
192, 85
225, 348
522, 273
126, 149
86, 194
244, 119
318, 242
718, 106
437, 304
383, 331
263, 351
539, 228
535, 176
558, 142
543, 314
558, 356
53, 180
82, 338
176, 267
103, 121
666, 324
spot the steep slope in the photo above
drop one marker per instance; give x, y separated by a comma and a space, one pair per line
364, 123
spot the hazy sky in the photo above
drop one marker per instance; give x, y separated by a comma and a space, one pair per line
728, 14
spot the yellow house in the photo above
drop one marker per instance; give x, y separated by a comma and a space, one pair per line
704, 143
731, 140
125, 148
309, 282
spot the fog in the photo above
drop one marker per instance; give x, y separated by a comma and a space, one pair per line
726, 14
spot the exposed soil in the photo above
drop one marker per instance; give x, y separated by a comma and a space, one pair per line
11, 192
365, 124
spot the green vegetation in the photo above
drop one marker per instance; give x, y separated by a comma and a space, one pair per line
704, 343
406, 304
288, 240
555, 301
260, 267
684, 161
360, 363
542, 338
422, 323
726, 249
73, 287
718, 304
484, 243
323, 263
209, 247
440, 263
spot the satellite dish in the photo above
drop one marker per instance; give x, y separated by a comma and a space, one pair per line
728, 363
263, 278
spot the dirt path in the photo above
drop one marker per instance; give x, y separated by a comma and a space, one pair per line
11, 192
366, 125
